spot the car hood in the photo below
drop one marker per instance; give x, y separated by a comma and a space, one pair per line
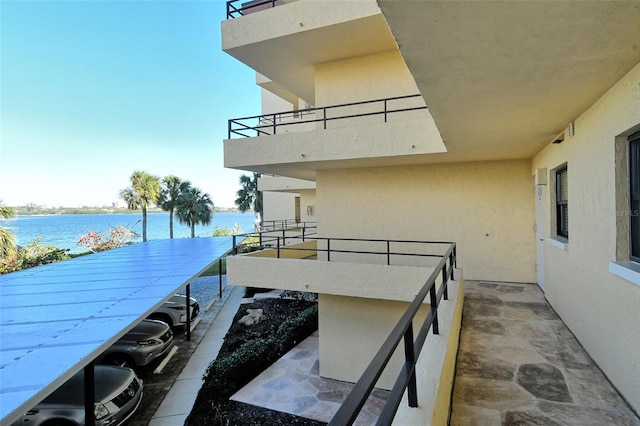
109, 381
147, 329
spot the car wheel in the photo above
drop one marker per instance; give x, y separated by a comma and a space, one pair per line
120, 360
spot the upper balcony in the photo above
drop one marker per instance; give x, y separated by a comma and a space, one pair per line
284, 41
389, 131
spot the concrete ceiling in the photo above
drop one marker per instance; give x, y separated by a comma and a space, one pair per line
503, 79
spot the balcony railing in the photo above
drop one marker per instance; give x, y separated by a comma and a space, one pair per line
236, 9
268, 124
406, 379
273, 225
403, 330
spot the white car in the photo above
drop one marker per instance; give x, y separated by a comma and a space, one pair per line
174, 311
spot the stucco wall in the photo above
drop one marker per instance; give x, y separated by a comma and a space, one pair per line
601, 309
278, 205
486, 208
352, 330
377, 76
308, 198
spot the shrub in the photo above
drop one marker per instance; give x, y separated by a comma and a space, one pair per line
33, 254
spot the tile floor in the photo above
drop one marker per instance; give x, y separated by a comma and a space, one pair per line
293, 385
518, 364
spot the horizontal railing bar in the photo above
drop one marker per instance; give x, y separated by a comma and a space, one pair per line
376, 240
395, 395
314, 109
318, 120
273, 117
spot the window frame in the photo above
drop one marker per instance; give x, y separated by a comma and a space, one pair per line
562, 206
634, 196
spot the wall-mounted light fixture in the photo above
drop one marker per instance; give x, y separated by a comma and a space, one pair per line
309, 210
571, 129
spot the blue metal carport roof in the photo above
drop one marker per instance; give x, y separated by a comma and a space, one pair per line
55, 319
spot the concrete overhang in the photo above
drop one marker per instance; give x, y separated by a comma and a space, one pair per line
274, 88
285, 43
284, 184
300, 154
502, 79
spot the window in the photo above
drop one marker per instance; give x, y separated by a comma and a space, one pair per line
562, 198
634, 196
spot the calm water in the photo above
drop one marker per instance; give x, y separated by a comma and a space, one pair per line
63, 230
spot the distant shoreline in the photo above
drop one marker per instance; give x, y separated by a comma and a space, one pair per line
51, 211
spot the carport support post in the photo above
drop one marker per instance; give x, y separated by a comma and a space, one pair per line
89, 395
220, 277
188, 302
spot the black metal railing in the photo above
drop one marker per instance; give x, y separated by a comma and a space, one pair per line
406, 379
403, 330
235, 9
282, 240
272, 225
268, 124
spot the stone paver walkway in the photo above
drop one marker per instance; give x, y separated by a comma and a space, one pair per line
293, 385
518, 364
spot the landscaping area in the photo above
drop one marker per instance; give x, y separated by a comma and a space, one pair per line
246, 352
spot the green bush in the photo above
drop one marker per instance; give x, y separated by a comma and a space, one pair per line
33, 254
230, 372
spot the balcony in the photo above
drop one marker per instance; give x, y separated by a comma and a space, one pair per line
372, 293
235, 8
395, 130
285, 42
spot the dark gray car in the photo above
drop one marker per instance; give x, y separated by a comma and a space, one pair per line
118, 393
143, 344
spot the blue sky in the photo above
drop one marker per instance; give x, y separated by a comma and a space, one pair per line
93, 90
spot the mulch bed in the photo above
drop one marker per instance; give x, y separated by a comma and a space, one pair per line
247, 352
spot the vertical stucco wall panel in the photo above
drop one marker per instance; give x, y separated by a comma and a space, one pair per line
602, 310
486, 208
377, 76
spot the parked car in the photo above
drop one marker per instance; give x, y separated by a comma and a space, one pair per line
147, 341
118, 392
174, 311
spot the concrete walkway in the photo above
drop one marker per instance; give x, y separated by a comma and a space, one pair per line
177, 404
518, 364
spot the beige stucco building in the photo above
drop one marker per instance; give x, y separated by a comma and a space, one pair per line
502, 126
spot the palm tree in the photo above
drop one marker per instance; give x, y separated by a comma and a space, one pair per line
172, 187
193, 207
7, 239
248, 196
143, 192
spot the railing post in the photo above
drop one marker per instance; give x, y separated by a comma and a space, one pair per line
220, 278
328, 250
284, 237
228, 121
303, 228
410, 362
274, 124
235, 248
452, 263
324, 117
385, 110
260, 239
434, 308
278, 246
445, 293
388, 253
188, 302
